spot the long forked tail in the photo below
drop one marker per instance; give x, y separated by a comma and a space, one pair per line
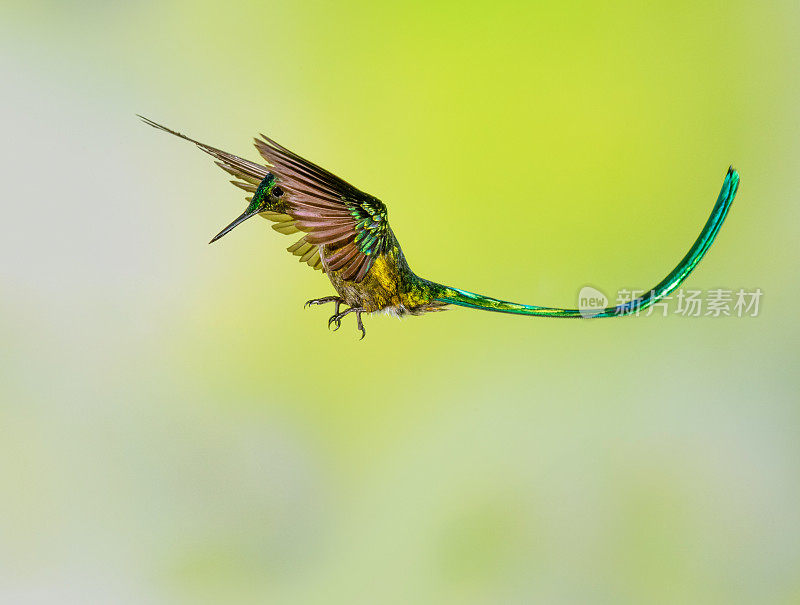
462, 298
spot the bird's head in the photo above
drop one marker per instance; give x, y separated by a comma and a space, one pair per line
267, 191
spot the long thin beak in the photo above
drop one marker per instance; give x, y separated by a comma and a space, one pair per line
244, 216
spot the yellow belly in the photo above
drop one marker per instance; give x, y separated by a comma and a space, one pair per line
386, 286
380, 288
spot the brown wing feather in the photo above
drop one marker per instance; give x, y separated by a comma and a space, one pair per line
332, 213
330, 210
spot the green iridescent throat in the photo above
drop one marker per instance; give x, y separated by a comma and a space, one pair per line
261, 198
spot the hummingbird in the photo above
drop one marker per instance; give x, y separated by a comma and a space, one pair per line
345, 234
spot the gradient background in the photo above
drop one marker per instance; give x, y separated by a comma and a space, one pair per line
175, 427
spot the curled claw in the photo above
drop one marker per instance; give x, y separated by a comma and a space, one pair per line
360, 324
336, 319
321, 301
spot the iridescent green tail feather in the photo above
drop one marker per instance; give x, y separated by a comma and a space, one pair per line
463, 298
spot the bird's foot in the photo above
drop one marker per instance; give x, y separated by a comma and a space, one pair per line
321, 301
360, 324
336, 319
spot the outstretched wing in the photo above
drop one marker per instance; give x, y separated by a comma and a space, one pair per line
350, 224
248, 176
284, 223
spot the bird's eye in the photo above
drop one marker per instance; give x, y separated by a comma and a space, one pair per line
277, 191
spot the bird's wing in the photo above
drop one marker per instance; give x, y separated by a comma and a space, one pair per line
351, 224
249, 175
284, 223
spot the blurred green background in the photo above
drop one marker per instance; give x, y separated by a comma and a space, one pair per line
175, 427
